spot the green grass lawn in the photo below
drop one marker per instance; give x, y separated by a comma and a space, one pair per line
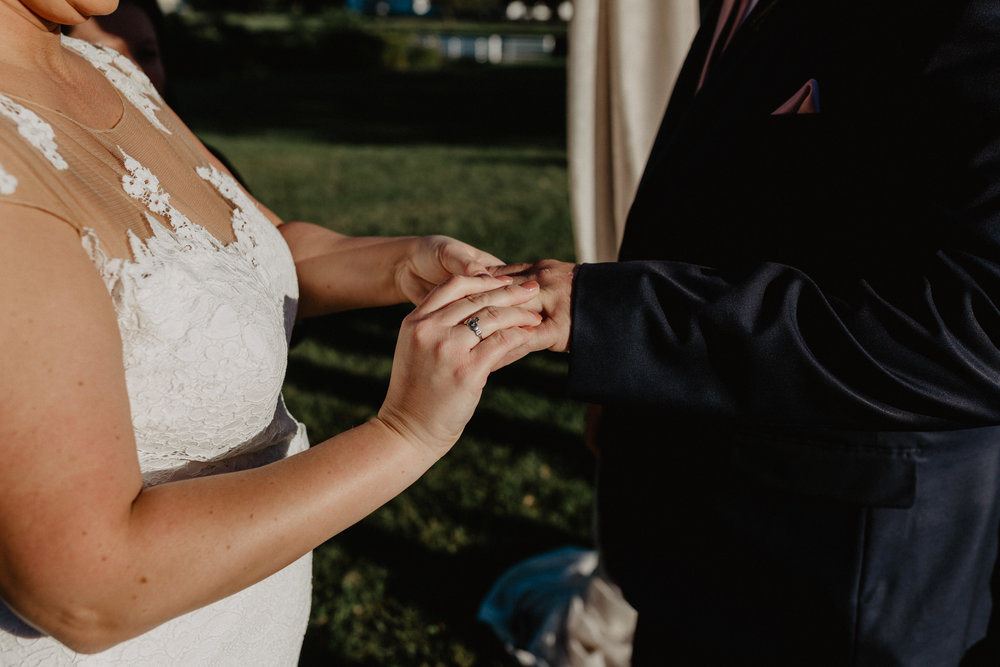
477, 153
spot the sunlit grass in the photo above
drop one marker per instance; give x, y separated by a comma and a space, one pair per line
510, 201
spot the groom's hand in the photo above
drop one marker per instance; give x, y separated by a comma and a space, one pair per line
553, 302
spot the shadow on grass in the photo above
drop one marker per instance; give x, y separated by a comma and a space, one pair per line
447, 587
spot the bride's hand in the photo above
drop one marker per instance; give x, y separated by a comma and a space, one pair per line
434, 260
441, 364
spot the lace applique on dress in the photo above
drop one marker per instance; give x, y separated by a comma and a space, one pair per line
204, 330
38, 133
140, 184
254, 232
245, 212
230, 189
8, 182
124, 75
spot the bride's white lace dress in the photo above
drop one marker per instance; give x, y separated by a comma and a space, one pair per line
205, 291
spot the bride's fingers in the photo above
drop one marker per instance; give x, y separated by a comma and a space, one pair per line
457, 287
440, 365
504, 346
471, 304
484, 323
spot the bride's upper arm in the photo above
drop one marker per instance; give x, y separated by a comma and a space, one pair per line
70, 469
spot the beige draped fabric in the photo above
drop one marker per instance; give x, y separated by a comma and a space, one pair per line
624, 56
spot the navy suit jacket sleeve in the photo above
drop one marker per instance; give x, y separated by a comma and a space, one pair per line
838, 269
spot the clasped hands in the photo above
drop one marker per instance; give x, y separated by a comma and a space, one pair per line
473, 315
441, 257
555, 289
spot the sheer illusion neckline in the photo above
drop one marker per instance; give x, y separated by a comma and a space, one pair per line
119, 121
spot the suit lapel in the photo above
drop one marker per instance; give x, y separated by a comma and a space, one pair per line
755, 27
687, 79
686, 94
697, 121
759, 13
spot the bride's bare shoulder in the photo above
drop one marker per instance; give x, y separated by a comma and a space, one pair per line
49, 286
60, 348
55, 304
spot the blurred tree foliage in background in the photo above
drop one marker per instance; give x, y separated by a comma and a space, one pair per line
263, 39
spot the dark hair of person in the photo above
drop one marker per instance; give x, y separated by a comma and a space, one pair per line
150, 8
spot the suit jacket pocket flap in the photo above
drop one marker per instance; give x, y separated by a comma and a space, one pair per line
853, 474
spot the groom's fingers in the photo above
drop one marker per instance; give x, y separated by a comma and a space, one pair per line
511, 269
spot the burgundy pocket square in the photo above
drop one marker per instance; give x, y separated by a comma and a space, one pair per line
804, 101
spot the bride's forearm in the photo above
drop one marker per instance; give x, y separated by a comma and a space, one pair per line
186, 544
338, 272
